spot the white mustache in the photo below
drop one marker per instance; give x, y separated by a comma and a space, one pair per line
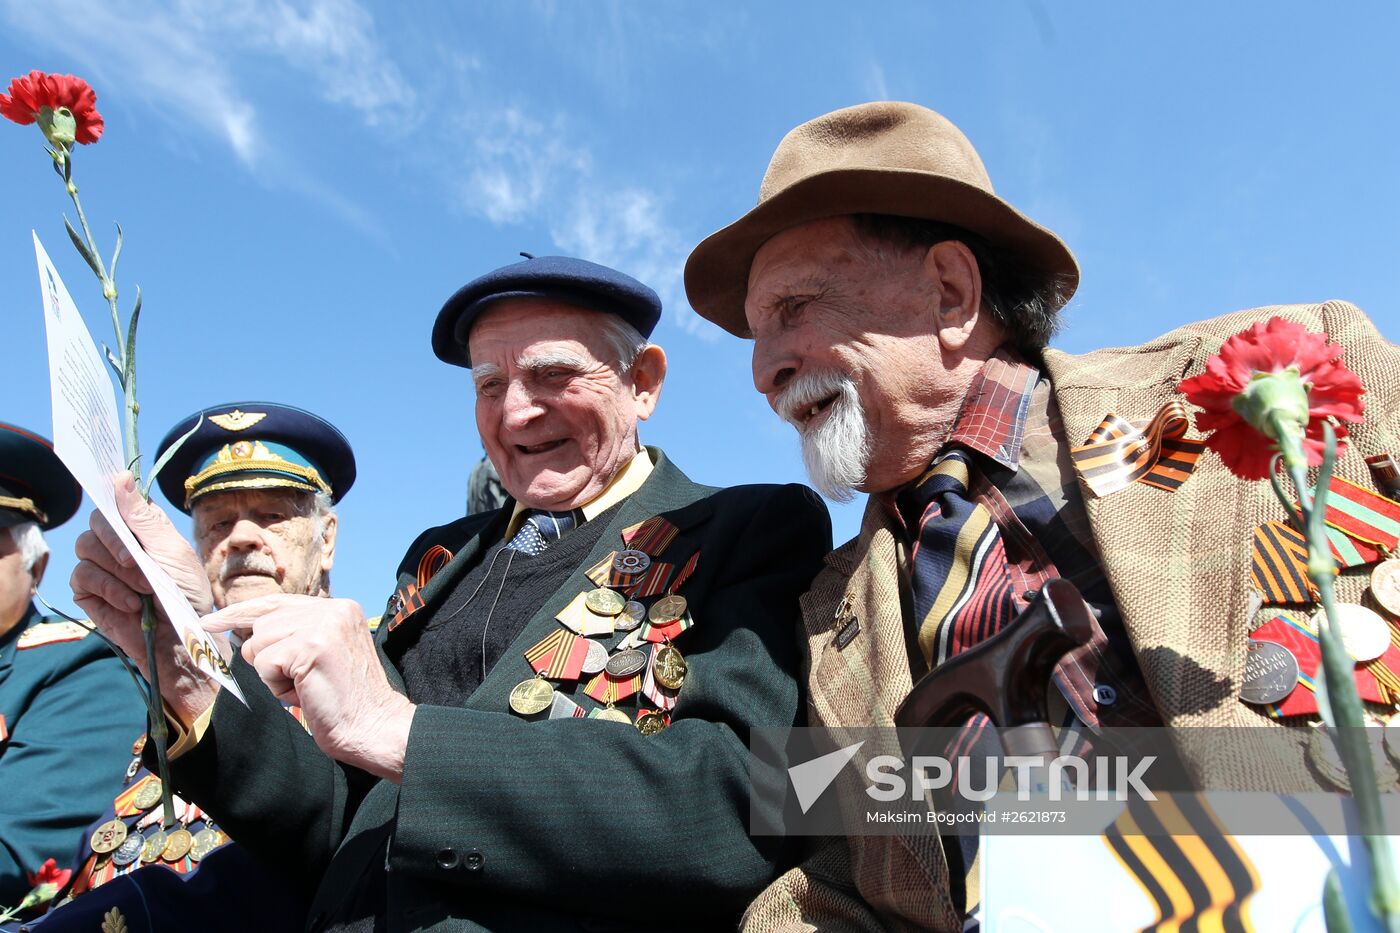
247, 562
806, 390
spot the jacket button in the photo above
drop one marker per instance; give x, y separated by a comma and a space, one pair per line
1104, 695
448, 859
474, 860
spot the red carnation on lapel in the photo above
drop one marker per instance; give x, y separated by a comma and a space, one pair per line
30, 95
1273, 370
49, 873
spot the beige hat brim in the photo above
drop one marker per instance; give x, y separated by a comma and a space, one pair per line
717, 272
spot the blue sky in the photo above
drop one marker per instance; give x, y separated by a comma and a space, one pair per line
303, 183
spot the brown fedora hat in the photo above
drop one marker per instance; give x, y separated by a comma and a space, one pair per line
887, 157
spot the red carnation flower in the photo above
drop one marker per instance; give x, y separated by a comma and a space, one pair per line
49, 873
31, 96
1274, 376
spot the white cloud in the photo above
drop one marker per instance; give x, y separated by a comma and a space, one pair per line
515, 162
875, 84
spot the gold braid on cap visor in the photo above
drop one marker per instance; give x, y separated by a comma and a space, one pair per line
26, 506
262, 460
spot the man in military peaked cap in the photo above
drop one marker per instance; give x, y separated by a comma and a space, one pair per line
261, 481
548, 731
67, 708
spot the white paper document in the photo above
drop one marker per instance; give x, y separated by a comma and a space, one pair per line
87, 438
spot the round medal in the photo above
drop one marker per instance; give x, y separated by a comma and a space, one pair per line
651, 722
604, 602
613, 714
177, 845
631, 561
130, 850
626, 664
632, 615
108, 837
531, 696
670, 668
155, 845
1365, 634
597, 658
667, 609
148, 794
1385, 585
1270, 673
205, 841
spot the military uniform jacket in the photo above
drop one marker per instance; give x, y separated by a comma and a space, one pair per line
504, 823
69, 711
1179, 567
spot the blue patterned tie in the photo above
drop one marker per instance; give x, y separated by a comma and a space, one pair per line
540, 529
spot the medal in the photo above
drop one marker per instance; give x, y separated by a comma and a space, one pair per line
531, 696
155, 845
148, 794
1364, 634
651, 722
610, 713
130, 849
205, 841
627, 664
667, 609
670, 668
177, 845
597, 658
604, 602
632, 615
131, 769
631, 561
108, 837
1270, 673
139, 745
1385, 585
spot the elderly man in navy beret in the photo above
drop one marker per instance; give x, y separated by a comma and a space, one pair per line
548, 730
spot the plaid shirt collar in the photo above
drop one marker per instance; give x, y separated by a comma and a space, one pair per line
992, 420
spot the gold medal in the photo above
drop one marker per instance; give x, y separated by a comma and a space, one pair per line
177, 845
531, 696
667, 609
605, 602
108, 837
651, 722
205, 841
1385, 585
670, 668
1365, 635
148, 794
155, 845
613, 714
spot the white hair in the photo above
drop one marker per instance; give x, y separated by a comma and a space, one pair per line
836, 452
625, 342
29, 540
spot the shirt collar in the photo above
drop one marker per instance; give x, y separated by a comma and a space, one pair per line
627, 481
992, 420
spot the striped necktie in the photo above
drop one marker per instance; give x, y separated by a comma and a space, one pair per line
540, 529
962, 587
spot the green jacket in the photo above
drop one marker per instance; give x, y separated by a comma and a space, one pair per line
504, 823
69, 713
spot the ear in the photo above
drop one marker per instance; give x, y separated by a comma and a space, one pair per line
953, 269
37, 574
328, 542
648, 373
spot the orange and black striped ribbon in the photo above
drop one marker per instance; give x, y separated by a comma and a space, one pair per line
608, 689
558, 656
1279, 564
651, 536
1118, 453
409, 602
433, 560
1197, 877
655, 579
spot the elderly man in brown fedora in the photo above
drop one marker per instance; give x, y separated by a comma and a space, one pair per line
899, 312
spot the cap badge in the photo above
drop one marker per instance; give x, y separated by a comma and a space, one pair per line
237, 420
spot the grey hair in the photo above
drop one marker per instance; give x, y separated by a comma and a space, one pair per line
625, 342
29, 541
1021, 299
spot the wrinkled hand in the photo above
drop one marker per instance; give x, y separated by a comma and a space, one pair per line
318, 653
108, 586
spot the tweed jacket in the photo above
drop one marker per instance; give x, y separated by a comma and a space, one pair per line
1179, 567
563, 824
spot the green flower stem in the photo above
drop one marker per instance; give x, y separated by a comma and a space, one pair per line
1347, 720
126, 352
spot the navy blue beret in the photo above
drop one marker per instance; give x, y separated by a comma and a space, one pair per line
562, 278
35, 486
255, 445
